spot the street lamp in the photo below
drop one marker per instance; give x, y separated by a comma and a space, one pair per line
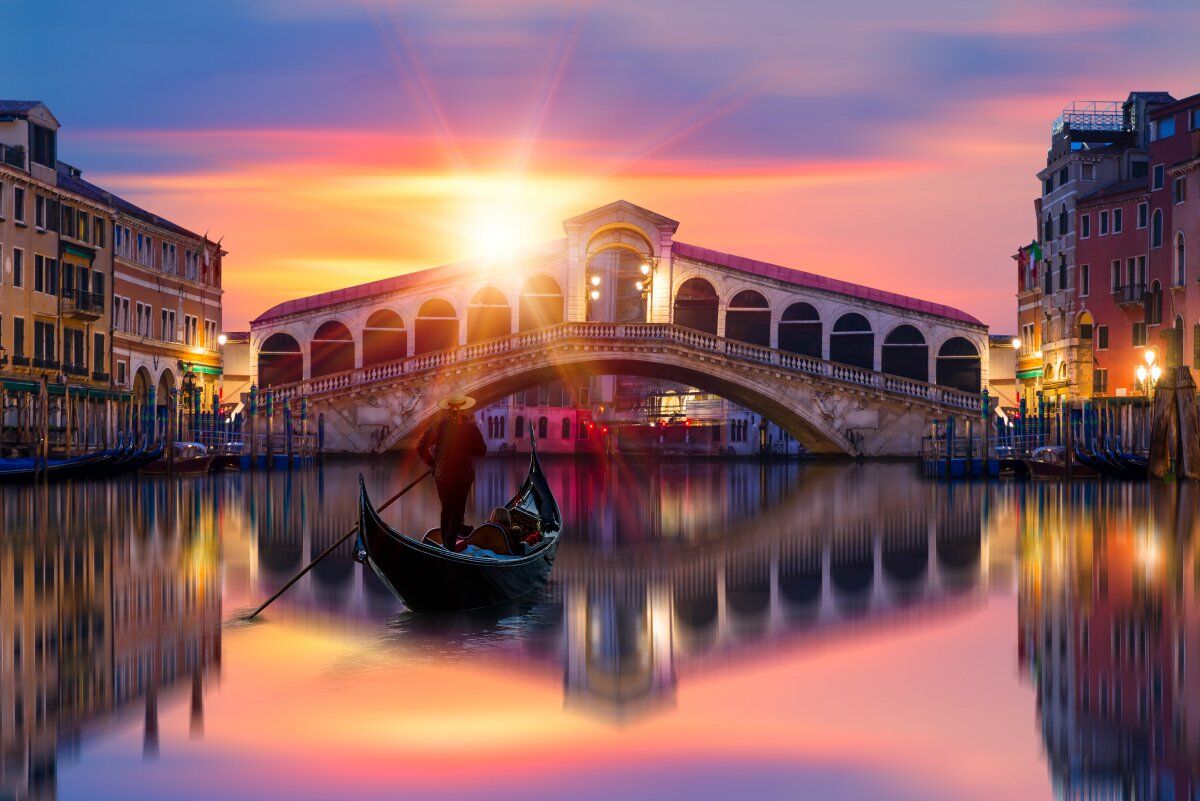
222, 339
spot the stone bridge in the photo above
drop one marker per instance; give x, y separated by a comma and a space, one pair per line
843, 367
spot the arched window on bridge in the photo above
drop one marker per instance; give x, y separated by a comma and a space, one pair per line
852, 342
488, 315
543, 428
696, 306
437, 326
541, 304
800, 330
520, 427
384, 338
279, 361
566, 428
958, 365
332, 349
748, 318
906, 354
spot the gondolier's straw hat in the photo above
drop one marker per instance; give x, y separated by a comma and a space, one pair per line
458, 402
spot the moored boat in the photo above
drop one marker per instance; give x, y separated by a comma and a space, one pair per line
428, 577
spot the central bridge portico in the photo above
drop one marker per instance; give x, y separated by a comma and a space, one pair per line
842, 367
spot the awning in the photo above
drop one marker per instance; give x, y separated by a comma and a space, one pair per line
22, 386
203, 368
1035, 373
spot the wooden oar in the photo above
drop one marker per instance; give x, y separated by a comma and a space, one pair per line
331, 548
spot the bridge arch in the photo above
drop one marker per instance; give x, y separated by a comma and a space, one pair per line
804, 419
800, 329
748, 318
540, 304
852, 341
696, 305
436, 326
905, 353
280, 360
385, 338
489, 315
332, 348
959, 365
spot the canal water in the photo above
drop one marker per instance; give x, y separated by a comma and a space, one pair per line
712, 630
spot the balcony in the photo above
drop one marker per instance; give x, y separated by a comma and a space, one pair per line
101, 376
1129, 295
20, 361
45, 364
83, 305
13, 156
76, 369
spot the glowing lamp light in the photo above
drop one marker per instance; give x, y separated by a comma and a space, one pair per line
595, 294
1155, 373
645, 268
1037, 354
1016, 343
639, 286
595, 280
222, 339
1141, 373
1149, 356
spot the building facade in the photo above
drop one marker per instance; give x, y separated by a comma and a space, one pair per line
1076, 310
99, 297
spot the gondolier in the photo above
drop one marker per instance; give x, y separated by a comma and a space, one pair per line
450, 446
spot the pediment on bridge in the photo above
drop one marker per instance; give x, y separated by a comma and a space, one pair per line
621, 211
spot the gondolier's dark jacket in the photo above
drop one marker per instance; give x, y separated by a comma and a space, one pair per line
451, 446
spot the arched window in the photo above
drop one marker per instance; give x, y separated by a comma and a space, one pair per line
852, 342
1156, 229
958, 365
488, 315
384, 338
905, 353
1154, 304
279, 361
520, 426
566, 428
541, 304
543, 428
332, 349
1180, 260
696, 306
748, 318
1063, 220
437, 326
800, 330
1176, 357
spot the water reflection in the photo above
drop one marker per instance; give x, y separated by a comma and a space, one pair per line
1110, 637
110, 600
112, 597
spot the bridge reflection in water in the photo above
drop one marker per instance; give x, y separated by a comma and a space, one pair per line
112, 596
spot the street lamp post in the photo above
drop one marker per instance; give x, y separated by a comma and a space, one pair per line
645, 286
593, 295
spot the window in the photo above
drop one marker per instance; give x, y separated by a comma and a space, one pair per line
1115, 277
1102, 337
1159, 177
1, 200
1062, 220
42, 146
1139, 335
1143, 215
519, 427
1062, 272
1156, 229
1048, 184
1085, 226
1179, 189
1085, 280
1103, 223
210, 334
190, 325
1048, 228
1180, 260
1100, 381
582, 433
122, 375
19, 204
40, 208
18, 267
566, 428
1063, 176
1118, 220
98, 231
543, 427
1087, 172
18, 338
44, 351
39, 270
167, 331
1164, 128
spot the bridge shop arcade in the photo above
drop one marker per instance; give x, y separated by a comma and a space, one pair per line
840, 367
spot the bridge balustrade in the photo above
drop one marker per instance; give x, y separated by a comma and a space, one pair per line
636, 332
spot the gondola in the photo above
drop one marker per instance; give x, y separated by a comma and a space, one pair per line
427, 577
18, 471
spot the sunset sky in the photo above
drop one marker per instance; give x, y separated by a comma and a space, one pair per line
338, 141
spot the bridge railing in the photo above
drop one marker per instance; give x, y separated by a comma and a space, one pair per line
641, 332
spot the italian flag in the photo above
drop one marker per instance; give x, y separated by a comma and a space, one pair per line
1034, 251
